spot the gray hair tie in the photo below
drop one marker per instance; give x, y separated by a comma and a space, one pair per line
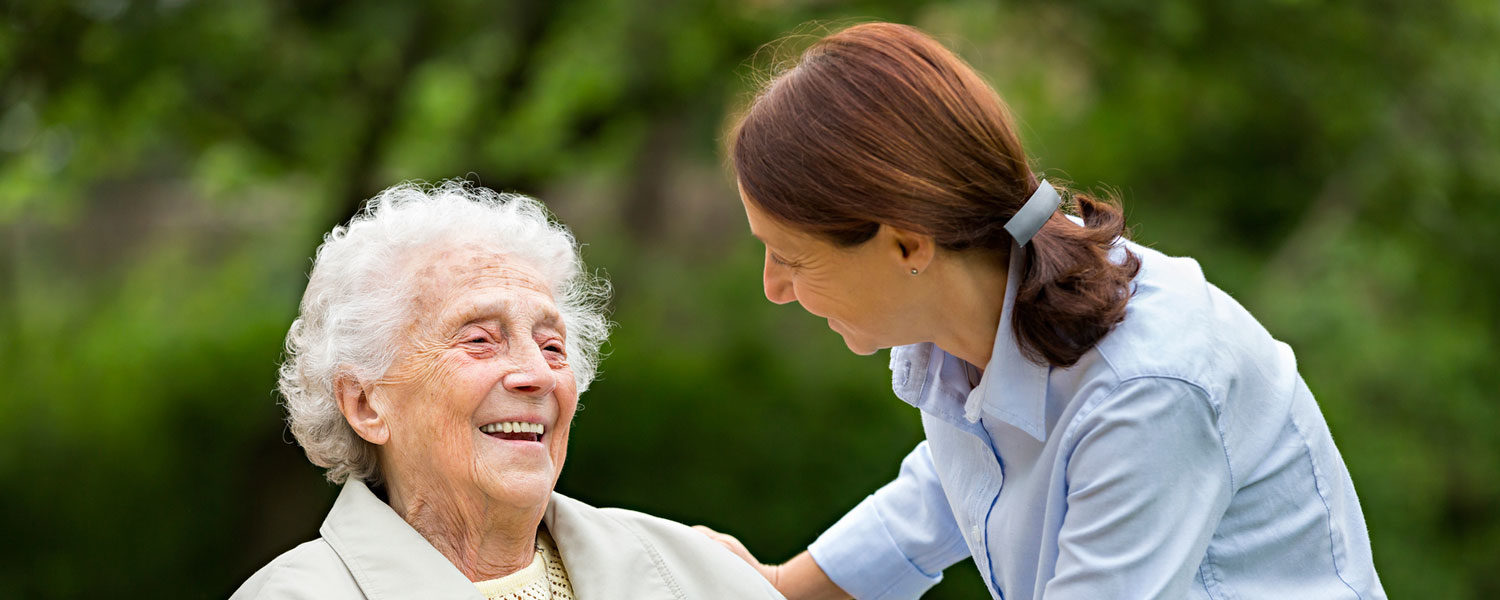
1029, 220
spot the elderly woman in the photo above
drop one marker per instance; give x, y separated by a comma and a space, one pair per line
434, 370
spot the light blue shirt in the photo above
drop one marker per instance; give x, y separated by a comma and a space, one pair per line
1182, 457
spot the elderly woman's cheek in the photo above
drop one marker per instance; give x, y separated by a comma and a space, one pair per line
423, 366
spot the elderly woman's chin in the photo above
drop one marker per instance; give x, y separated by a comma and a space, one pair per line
442, 342
517, 472
510, 473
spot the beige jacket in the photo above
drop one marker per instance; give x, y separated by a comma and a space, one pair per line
368, 551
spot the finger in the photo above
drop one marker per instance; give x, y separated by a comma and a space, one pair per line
706, 531
722, 538
729, 542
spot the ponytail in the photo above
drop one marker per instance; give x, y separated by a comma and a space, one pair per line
1071, 294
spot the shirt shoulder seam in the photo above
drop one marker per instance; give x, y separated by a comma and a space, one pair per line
1202, 393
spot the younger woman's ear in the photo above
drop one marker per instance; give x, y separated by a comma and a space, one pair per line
914, 250
366, 419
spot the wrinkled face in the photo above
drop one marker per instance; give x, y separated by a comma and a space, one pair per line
482, 398
859, 290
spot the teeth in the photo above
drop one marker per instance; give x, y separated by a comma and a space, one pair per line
513, 427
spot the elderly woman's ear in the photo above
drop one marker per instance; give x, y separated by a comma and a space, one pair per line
363, 416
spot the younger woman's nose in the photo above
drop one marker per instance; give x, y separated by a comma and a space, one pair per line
777, 283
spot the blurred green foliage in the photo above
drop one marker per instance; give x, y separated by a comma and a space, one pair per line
168, 167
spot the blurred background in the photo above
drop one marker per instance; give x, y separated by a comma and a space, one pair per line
168, 167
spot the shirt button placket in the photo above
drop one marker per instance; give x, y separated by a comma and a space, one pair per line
988, 494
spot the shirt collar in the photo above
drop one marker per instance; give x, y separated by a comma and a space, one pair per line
387, 557
1014, 388
930, 379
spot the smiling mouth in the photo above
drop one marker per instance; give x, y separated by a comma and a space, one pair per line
515, 430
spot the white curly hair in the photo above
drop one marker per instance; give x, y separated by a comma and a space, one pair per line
358, 300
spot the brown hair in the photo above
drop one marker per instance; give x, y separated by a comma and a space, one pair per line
880, 124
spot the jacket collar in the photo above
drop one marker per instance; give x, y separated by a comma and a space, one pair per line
604, 557
1013, 389
390, 560
387, 557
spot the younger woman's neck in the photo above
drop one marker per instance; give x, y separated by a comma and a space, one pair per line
968, 296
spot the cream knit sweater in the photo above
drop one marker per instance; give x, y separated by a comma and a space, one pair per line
544, 579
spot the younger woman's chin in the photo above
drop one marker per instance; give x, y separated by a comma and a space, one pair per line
860, 347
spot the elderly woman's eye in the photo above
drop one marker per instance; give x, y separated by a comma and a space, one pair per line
476, 338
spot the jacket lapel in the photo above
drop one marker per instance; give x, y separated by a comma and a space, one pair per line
388, 558
605, 558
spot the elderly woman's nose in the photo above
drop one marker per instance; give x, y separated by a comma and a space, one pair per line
530, 375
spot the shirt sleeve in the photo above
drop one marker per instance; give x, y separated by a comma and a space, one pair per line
1147, 481
895, 543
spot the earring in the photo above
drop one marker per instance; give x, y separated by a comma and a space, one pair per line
913, 271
